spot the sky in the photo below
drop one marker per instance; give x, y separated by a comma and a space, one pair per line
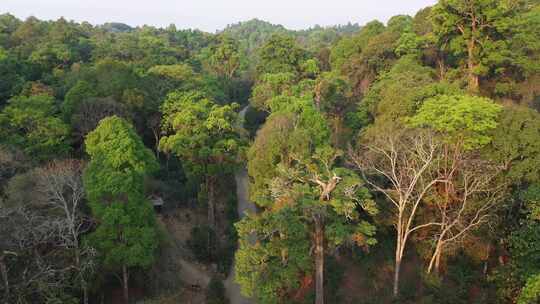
212, 15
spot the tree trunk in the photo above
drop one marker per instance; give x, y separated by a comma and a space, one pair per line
319, 261
473, 82
438, 262
3, 272
435, 258
83, 281
442, 68
396, 275
211, 203
156, 139
85, 293
125, 285
337, 130
400, 243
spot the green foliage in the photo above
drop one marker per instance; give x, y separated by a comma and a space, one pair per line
252, 34
113, 77
462, 118
177, 72
531, 292
77, 94
114, 181
119, 161
12, 76
480, 34
350, 46
516, 142
400, 92
525, 241
225, 59
281, 54
30, 123
284, 132
531, 197
270, 267
269, 87
200, 132
312, 89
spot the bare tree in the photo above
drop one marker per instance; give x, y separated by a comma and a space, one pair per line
400, 165
28, 269
61, 185
40, 250
465, 201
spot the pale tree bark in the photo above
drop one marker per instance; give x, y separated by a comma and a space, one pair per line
400, 166
319, 260
326, 181
125, 283
60, 182
468, 200
24, 233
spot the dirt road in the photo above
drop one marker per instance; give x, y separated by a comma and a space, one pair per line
232, 289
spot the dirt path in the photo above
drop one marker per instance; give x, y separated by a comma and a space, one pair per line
192, 274
232, 289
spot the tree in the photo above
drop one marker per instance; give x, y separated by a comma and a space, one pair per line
306, 177
406, 166
81, 91
347, 47
471, 193
333, 96
280, 54
41, 257
60, 183
396, 163
515, 143
203, 135
398, 93
31, 124
271, 259
126, 236
477, 31
328, 197
225, 58
269, 87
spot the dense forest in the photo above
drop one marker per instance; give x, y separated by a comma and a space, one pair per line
366, 164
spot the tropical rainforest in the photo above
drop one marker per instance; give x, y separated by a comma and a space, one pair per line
393, 162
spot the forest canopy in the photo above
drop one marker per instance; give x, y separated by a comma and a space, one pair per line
394, 162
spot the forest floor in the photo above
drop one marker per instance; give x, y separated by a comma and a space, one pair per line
194, 276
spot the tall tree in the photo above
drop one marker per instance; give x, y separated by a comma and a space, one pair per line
471, 192
477, 31
280, 54
61, 186
403, 160
126, 236
203, 135
306, 177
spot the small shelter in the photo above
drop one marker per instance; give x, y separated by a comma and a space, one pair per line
157, 202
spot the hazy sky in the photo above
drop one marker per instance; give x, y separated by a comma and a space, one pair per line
211, 15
